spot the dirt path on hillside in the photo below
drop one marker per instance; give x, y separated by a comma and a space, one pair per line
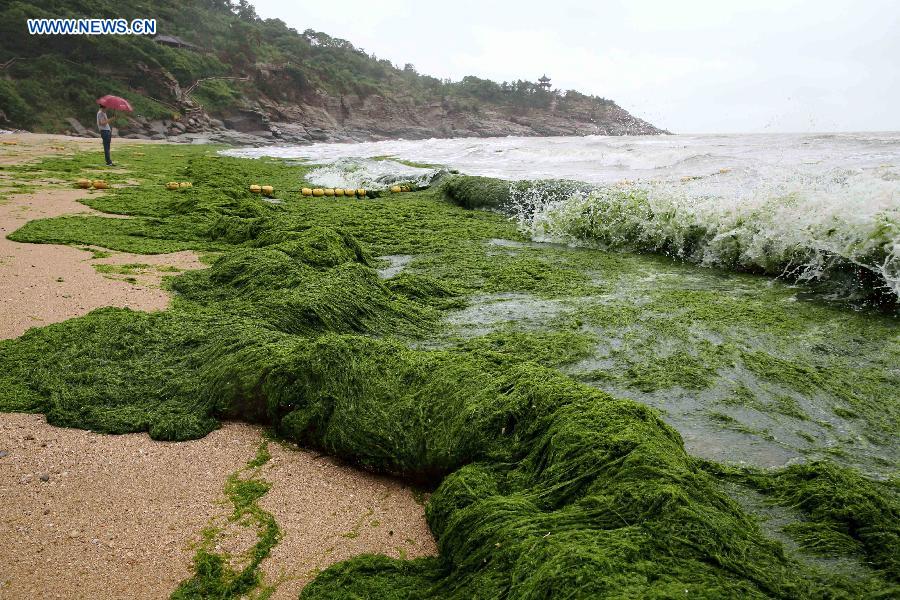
96, 516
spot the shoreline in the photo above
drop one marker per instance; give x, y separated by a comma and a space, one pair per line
107, 488
553, 396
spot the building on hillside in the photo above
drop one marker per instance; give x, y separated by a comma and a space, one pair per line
544, 82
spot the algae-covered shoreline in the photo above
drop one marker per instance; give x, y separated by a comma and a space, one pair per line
547, 394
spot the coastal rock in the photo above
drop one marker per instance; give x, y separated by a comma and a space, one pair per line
247, 122
320, 117
350, 118
76, 126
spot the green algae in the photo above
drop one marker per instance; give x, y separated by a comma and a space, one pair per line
497, 194
550, 349
736, 341
847, 512
127, 269
542, 485
570, 491
628, 218
213, 576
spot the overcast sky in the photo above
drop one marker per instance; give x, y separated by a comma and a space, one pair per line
688, 65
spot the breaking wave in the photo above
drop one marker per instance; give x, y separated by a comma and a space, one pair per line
842, 228
808, 207
370, 174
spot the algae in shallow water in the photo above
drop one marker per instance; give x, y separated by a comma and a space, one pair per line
543, 486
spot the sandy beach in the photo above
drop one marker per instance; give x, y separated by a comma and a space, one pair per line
97, 516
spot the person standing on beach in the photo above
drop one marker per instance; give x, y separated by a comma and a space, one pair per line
105, 133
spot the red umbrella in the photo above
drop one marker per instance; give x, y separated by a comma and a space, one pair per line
115, 103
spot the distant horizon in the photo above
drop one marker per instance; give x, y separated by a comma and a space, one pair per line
672, 133
811, 67
784, 132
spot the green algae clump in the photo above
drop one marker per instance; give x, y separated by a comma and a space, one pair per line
543, 486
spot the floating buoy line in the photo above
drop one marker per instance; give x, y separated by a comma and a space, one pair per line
265, 190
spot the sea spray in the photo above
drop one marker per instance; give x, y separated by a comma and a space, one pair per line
843, 230
821, 208
609, 159
371, 174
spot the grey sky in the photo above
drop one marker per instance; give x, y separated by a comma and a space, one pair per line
689, 66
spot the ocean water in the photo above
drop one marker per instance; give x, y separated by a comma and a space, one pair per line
810, 207
796, 206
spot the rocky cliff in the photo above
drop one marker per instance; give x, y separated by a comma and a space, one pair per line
351, 118
218, 72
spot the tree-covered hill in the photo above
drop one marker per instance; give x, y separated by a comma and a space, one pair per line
235, 63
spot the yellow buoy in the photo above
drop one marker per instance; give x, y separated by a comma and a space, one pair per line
306, 192
12, 143
338, 191
318, 192
172, 185
185, 184
395, 189
405, 188
268, 190
349, 192
361, 193
255, 188
329, 191
99, 184
83, 183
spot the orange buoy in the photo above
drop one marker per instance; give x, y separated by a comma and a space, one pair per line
83, 183
100, 184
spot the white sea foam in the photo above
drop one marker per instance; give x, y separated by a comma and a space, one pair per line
803, 229
368, 173
800, 204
